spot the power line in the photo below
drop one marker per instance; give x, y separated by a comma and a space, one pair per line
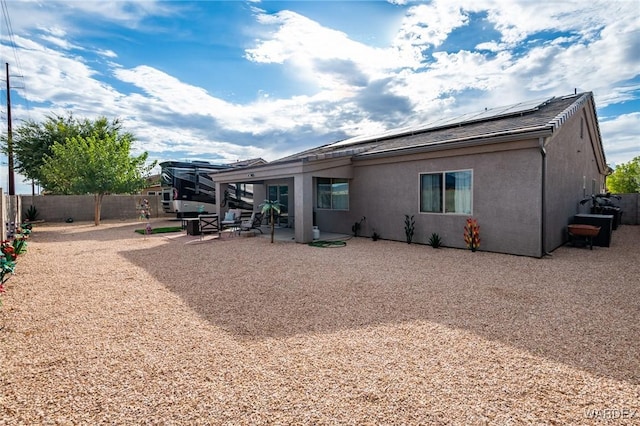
14, 49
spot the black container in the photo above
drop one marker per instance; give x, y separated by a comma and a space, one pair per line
193, 227
605, 222
615, 211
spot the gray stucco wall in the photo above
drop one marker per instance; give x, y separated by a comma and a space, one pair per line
630, 205
57, 208
572, 175
506, 200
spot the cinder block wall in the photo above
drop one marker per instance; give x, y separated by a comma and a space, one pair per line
58, 208
630, 205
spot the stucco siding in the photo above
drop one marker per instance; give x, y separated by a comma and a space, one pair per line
630, 205
572, 175
506, 200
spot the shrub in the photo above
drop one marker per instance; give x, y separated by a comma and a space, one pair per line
435, 241
31, 214
357, 226
409, 227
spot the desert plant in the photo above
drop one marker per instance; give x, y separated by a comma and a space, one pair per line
357, 226
435, 241
472, 234
7, 267
409, 227
20, 245
375, 236
31, 214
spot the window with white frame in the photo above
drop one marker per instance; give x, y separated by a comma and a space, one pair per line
332, 194
446, 192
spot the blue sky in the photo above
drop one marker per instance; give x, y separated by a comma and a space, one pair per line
231, 80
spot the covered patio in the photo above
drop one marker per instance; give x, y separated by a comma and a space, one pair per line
290, 181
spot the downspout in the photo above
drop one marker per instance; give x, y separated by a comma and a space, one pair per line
543, 207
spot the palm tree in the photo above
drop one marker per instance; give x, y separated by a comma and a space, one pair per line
270, 207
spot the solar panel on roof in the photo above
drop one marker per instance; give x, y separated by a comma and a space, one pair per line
470, 117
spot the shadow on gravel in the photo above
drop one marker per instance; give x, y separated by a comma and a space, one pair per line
579, 307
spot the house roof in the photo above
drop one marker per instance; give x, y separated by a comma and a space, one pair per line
522, 118
247, 163
527, 120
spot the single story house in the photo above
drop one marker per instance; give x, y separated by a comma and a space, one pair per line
520, 171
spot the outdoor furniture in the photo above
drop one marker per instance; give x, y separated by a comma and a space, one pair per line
584, 232
191, 224
208, 223
232, 220
253, 223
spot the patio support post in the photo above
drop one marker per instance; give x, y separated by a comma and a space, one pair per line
219, 197
303, 190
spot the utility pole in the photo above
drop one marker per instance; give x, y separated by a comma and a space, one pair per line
11, 182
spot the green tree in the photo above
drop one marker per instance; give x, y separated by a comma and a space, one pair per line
273, 208
625, 179
98, 164
33, 141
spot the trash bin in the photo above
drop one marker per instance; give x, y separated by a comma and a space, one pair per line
614, 211
316, 233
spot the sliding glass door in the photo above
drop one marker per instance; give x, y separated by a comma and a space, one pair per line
280, 193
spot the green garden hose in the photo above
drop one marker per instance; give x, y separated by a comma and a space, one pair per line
330, 244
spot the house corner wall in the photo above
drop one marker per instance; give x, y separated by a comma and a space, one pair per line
573, 174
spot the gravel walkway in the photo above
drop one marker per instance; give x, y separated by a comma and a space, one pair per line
105, 326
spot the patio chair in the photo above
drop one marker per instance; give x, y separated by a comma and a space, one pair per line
209, 223
253, 223
232, 220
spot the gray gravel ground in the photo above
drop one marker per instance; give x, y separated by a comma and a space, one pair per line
105, 326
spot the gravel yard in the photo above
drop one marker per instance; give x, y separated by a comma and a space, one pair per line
101, 325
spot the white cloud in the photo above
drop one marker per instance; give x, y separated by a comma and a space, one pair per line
507, 76
127, 13
174, 95
51, 76
429, 24
107, 53
55, 31
305, 45
516, 20
59, 42
620, 144
352, 88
